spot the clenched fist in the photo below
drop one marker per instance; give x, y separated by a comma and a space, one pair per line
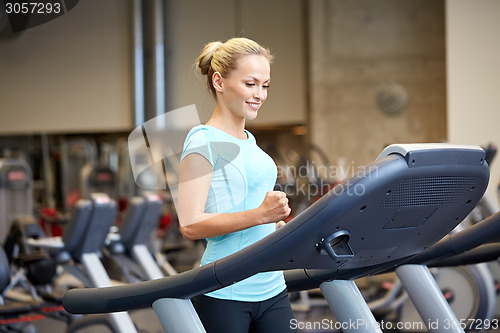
275, 207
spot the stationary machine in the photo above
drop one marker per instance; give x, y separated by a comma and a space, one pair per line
83, 237
17, 219
131, 245
79, 174
16, 193
10, 311
30, 258
398, 207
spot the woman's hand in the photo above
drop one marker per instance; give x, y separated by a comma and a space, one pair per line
275, 207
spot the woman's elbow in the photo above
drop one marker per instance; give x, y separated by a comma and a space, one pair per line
188, 233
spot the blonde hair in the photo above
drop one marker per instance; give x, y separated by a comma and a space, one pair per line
222, 57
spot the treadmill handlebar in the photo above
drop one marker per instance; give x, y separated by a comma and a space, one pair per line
142, 294
481, 254
458, 243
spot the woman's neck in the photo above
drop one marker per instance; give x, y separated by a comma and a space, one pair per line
228, 122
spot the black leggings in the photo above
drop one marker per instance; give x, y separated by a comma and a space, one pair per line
269, 316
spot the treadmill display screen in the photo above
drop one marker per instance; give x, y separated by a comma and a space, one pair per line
17, 175
103, 177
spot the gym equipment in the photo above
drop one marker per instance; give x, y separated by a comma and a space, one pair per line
16, 193
469, 289
19, 313
129, 246
143, 214
463, 248
98, 179
81, 241
31, 264
473, 279
10, 311
140, 220
34, 267
26, 269
75, 154
404, 202
487, 206
470, 292
82, 172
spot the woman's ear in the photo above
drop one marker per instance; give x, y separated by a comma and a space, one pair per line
217, 81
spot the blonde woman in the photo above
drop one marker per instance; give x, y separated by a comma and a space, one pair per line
226, 189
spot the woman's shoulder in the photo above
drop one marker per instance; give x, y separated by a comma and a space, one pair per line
197, 141
197, 129
197, 133
207, 133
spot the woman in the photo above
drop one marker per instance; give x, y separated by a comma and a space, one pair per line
226, 190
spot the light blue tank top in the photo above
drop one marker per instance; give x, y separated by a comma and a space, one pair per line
242, 174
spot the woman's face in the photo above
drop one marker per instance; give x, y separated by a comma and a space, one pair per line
245, 88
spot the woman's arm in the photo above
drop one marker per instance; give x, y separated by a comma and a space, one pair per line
194, 181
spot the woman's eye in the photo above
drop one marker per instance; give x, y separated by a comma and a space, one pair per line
265, 87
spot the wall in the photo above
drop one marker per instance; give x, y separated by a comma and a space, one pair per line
72, 74
190, 24
359, 47
473, 75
